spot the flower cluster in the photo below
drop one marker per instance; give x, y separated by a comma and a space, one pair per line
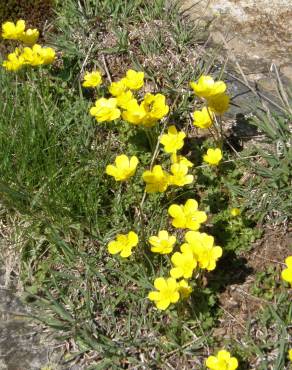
11, 31
31, 54
197, 252
123, 103
213, 94
217, 102
157, 179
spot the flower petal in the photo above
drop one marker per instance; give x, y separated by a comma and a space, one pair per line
132, 239
190, 206
163, 304
160, 283
114, 247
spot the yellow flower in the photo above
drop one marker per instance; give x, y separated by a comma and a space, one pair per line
180, 160
155, 108
134, 113
287, 273
173, 140
184, 289
124, 167
105, 110
14, 61
163, 243
222, 361
134, 80
184, 264
123, 244
32, 56
38, 55
180, 175
202, 246
48, 55
29, 36
13, 31
219, 104
235, 212
187, 216
290, 354
124, 99
118, 87
213, 156
92, 79
207, 88
156, 180
168, 292
203, 118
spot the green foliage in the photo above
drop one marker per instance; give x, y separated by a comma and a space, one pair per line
270, 185
265, 285
272, 321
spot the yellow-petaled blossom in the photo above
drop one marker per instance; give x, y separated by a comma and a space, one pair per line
105, 110
184, 289
184, 264
124, 167
203, 249
124, 99
180, 160
29, 36
134, 80
118, 87
155, 108
123, 244
287, 273
187, 216
163, 243
14, 62
203, 118
290, 354
213, 156
167, 292
222, 361
156, 180
11, 31
173, 140
48, 55
235, 212
92, 79
219, 104
134, 113
206, 87
37, 55
32, 56
180, 175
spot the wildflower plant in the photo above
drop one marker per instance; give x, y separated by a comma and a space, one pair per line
178, 251
29, 53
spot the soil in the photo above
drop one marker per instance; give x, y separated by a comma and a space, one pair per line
238, 302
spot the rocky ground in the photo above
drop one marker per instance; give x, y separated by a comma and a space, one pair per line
256, 33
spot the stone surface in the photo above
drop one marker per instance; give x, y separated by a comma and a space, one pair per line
257, 32
24, 344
